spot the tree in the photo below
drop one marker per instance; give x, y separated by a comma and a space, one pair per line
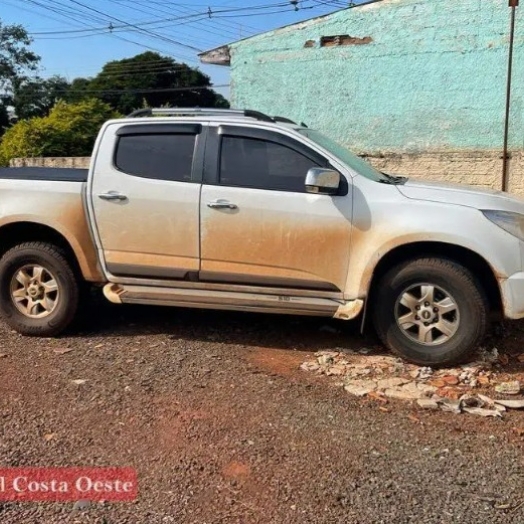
16, 60
69, 130
159, 80
36, 96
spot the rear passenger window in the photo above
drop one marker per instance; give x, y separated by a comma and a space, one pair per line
161, 156
261, 164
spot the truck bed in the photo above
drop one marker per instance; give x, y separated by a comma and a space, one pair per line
56, 174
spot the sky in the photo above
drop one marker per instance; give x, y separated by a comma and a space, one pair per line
75, 38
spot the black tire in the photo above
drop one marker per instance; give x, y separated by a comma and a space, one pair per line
56, 265
469, 318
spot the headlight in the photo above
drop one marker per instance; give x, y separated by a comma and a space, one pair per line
513, 223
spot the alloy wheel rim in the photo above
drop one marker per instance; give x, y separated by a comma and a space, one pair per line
34, 291
427, 314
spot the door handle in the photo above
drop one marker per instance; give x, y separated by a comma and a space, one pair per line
112, 196
221, 204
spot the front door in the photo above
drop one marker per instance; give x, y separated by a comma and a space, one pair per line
258, 224
145, 200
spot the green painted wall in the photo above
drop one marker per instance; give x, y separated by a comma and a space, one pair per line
432, 79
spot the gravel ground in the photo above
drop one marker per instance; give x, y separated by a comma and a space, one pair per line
222, 427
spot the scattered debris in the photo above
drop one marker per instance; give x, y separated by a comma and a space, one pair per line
381, 377
360, 388
508, 388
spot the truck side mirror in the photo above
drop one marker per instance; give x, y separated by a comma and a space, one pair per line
322, 181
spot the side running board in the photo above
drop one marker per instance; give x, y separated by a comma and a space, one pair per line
238, 301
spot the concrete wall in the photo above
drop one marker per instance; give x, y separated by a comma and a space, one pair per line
482, 169
77, 162
430, 79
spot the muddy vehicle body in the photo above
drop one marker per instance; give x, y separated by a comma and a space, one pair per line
236, 210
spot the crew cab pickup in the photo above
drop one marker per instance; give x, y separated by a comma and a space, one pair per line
237, 210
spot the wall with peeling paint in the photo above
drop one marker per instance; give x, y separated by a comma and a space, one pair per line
432, 78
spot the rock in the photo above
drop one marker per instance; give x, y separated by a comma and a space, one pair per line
360, 388
482, 412
426, 388
81, 505
79, 381
425, 373
511, 404
437, 382
448, 392
451, 380
337, 369
331, 354
508, 388
427, 403
404, 394
452, 406
325, 360
359, 370
520, 358
310, 366
483, 380
387, 383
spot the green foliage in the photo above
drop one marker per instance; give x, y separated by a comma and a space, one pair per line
69, 130
16, 60
36, 96
155, 79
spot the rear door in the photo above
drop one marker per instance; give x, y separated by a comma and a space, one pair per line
145, 199
258, 224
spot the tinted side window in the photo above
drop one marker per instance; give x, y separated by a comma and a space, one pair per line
164, 157
250, 162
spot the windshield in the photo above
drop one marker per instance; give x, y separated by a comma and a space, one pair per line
344, 155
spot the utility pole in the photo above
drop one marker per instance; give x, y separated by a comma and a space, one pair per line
513, 4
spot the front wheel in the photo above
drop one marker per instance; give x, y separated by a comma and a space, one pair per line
38, 289
430, 311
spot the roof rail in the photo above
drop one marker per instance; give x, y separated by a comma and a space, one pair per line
283, 119
179, 111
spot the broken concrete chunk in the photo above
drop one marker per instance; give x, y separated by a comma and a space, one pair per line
403, 394
428, 403
508, 388
387, 383
453, 406
360, 388
325, 360
310, 366
511, 404
482, 412
337, 370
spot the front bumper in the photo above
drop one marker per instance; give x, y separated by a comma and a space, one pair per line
512, 290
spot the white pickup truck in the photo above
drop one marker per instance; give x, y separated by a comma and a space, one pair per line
237, 210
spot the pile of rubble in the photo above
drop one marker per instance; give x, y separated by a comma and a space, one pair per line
386, 377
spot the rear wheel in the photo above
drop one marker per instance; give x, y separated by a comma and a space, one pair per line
430, 311
38, 289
